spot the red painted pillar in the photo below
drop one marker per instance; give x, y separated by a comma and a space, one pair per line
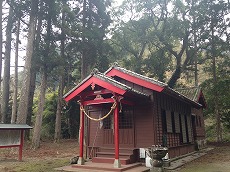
81, 159
21, 145
117, 163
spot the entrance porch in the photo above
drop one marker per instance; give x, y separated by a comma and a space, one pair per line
106, 120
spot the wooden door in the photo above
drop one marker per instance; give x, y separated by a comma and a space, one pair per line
126, 129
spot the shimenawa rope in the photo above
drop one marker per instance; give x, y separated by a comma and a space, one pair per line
99, 119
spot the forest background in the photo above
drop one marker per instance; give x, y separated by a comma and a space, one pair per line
184, 43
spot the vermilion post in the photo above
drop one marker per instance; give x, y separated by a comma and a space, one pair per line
117, 163
21, 145
81, 159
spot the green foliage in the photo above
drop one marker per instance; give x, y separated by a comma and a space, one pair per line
223, 100
69, 120
49, 116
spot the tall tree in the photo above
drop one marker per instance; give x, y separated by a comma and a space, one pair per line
46, 55
57, 134
215, 37
34, 69
6, 76
174, 27
216, 19
39, 114
15, 93
95, 21
24, 98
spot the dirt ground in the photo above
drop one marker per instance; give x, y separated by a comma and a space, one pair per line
52, 155
49, 156
216, 160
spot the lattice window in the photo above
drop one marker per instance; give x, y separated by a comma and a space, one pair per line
126, 119
107, 123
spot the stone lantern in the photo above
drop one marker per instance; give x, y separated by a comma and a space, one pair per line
156, 153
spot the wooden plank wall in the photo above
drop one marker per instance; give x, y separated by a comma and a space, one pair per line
199, 125
144, 126
144, 122
171, 104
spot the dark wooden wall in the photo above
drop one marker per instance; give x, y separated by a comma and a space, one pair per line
144, 126
199, 124
148, 130
179, 137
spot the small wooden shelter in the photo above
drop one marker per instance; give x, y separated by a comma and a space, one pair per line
127, 111
12, 135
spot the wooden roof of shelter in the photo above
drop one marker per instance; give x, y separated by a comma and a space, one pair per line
14, 126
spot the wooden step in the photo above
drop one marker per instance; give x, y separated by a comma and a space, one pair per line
112, 154
127, 154
123, 161
121, 150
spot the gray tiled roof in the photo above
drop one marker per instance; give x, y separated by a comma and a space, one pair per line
179, 92
192, 93
118, 84
154, 81
107, 79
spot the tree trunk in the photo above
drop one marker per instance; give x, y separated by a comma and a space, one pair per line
6, 76
24, 99
216, 96
14, 106
57, 135
84, 51
195, 45
39, 114
31, 100
0, 55
176, 74
33, 77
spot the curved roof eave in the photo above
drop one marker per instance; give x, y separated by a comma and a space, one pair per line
103, 81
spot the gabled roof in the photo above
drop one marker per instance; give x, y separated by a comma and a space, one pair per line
107, 81
150, 83
104, 81
193, 93
135, 78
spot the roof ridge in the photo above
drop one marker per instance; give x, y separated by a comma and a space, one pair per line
117, 82
153, 80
